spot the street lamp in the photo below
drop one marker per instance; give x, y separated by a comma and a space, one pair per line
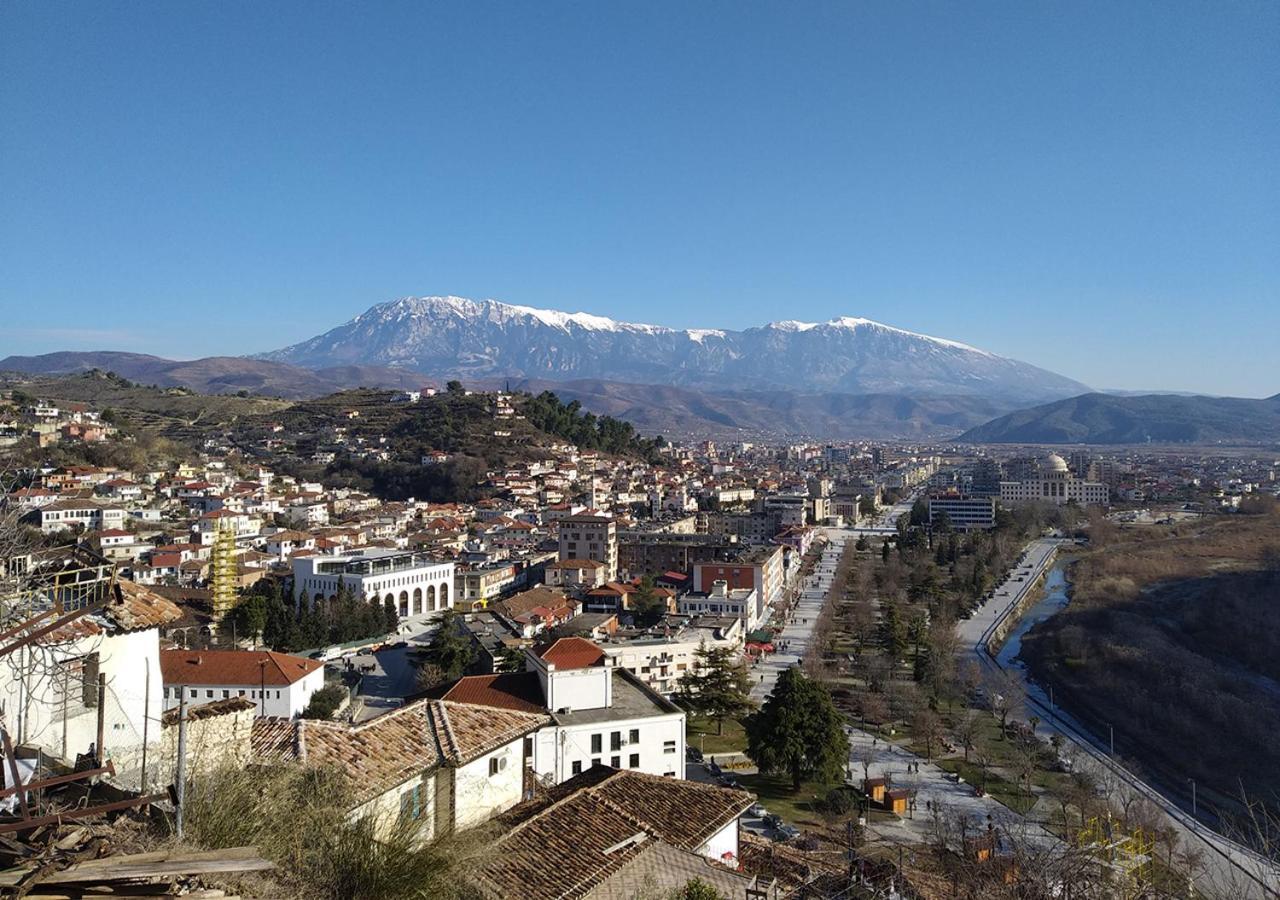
1193, 796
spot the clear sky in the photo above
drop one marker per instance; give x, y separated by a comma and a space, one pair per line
1094, 188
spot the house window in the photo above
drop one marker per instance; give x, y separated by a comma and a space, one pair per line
597, 743
411, 803
226, 694
635, 736
615, 762
615, 741
496, 765
208, 692
577, 767
595, 761
634, 761
668, 746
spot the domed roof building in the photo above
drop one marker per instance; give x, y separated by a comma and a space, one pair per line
1054, 484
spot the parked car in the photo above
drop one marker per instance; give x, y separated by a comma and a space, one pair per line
758, 811
773, 821
787, 832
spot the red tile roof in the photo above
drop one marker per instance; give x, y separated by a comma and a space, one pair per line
573, 653
520, 691
234, 667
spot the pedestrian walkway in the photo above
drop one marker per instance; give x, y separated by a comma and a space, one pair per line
798, 631
935, 788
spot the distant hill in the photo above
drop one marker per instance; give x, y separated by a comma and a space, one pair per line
675, 411
453, 337
653, 409
1155, 418
219, 374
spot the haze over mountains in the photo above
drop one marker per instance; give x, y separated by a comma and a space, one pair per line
452, 337
848, 378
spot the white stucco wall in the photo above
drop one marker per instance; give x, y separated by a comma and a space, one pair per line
479, 795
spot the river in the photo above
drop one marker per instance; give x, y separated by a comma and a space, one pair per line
1054, 599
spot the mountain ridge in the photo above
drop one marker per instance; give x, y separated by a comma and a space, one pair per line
453, 337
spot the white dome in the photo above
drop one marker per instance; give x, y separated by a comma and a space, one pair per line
1054, 463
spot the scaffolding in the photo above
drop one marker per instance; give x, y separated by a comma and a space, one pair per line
1126, 854
222, 565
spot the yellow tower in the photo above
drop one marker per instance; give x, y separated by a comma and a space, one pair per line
222, 564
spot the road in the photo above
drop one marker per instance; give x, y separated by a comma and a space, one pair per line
1230, 870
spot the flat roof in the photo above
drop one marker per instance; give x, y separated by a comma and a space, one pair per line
631, 700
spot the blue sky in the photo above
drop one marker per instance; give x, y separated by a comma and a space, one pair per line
1091, 187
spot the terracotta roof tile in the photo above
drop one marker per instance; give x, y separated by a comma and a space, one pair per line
520, 691
466, 731
598, 822
573, 653
234, 667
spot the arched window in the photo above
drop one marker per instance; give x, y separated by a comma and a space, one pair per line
431, 599
417, 601
444, 596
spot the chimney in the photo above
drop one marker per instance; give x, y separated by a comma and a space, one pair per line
719, 588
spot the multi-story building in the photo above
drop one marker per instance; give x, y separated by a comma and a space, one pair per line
745, 604
1055, 484
601, 714
591, 537
476, 588
964, 513
646, 553
758, 568
418, 584
88, 515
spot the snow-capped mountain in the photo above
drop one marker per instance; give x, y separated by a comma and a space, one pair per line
452, 337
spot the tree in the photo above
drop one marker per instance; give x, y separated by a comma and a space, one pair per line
249, 617
717, 686
967, 731
453, 387
325, 702
646, 606
798, 732
450, 649
695, 889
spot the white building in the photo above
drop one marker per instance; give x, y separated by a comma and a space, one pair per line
86, 514
965, 513
744, 604
446, 765
1056, 485
418, 584
660, 661
280, 684
50, 689
601, 714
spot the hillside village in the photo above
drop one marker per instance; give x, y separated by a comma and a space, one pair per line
514, 649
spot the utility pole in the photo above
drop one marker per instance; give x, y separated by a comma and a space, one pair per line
182, 758
1112, 730
1193, 796
146, 719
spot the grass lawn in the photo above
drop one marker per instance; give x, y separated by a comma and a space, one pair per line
800, 808
700, 732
